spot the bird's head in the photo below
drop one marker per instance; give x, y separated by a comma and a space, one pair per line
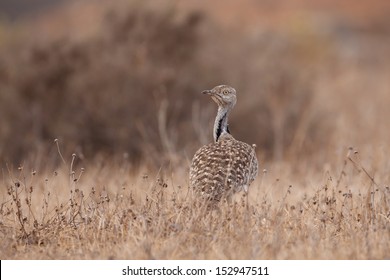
224, 96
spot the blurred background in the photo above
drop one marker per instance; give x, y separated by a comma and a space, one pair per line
124, 78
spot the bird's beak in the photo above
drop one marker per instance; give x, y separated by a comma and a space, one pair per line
208, 92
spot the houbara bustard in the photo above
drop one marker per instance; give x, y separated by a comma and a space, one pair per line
226, 166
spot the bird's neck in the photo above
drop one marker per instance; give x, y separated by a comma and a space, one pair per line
221, 122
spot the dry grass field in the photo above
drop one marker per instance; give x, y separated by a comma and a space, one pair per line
101, 113
107, 211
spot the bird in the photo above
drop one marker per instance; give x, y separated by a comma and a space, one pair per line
226, 166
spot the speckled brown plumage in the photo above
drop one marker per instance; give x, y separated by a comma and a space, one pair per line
220, 169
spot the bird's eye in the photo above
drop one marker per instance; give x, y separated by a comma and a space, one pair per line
225, 92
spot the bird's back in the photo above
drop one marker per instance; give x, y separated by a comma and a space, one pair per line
222, 168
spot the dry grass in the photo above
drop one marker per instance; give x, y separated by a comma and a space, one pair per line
108, 211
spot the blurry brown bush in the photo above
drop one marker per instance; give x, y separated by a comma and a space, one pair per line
100, 95
133, 88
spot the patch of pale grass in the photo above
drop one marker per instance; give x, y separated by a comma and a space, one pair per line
110, 211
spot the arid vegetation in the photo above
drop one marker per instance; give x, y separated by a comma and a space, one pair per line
100, 117
106, 212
